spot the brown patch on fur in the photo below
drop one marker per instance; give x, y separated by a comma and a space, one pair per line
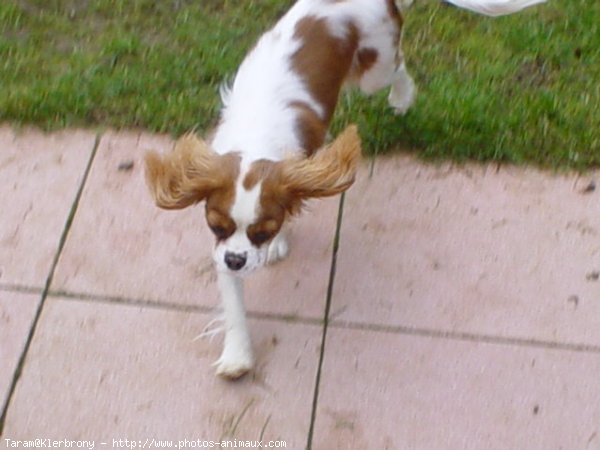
275, 203
264, 230
258, 171
191, 173
366, 58
329, 172
396, 15
323, 60
286, 184
310, 128
394, 12
218, 219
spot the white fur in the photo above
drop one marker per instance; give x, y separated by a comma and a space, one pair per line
495, 7
256, 117
258, 122
236, 358
244, 213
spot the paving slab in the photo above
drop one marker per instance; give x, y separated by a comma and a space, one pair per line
121, 245
101, 371
40, 175
393, 391
17, 312
506, 251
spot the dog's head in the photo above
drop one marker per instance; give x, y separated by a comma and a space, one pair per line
247, 202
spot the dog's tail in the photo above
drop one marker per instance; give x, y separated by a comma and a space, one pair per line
495, 7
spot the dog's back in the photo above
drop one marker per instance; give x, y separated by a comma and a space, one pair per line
285, 91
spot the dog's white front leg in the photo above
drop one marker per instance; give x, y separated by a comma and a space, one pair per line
236, 358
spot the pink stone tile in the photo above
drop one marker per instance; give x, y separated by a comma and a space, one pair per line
139, 251
40, 175
125, 372
512, 252
17, 312
388, 391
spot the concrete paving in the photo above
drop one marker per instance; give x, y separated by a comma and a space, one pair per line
464, 309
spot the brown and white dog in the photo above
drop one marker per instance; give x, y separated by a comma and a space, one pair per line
268, 154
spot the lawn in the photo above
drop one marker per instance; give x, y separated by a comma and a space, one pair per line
520, 89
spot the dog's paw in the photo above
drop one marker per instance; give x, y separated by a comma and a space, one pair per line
402, 94
234, 363
278, 249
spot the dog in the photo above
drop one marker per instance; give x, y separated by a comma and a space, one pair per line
268, 154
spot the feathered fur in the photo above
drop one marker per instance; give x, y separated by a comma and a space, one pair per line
188, 174
330, 171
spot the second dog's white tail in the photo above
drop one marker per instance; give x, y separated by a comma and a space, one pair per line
495, 7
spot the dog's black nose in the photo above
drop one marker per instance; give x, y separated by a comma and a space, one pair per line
235, 261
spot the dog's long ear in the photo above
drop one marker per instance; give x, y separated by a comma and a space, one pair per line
329, 171
185, 176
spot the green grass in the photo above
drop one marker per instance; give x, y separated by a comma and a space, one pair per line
521, 89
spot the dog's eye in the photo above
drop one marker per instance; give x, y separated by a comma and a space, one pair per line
220, 232
260, 238
221, 225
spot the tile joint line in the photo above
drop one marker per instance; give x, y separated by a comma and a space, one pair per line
180, 307
468, 337
21, 288
38, 312
336, 243
405, 330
